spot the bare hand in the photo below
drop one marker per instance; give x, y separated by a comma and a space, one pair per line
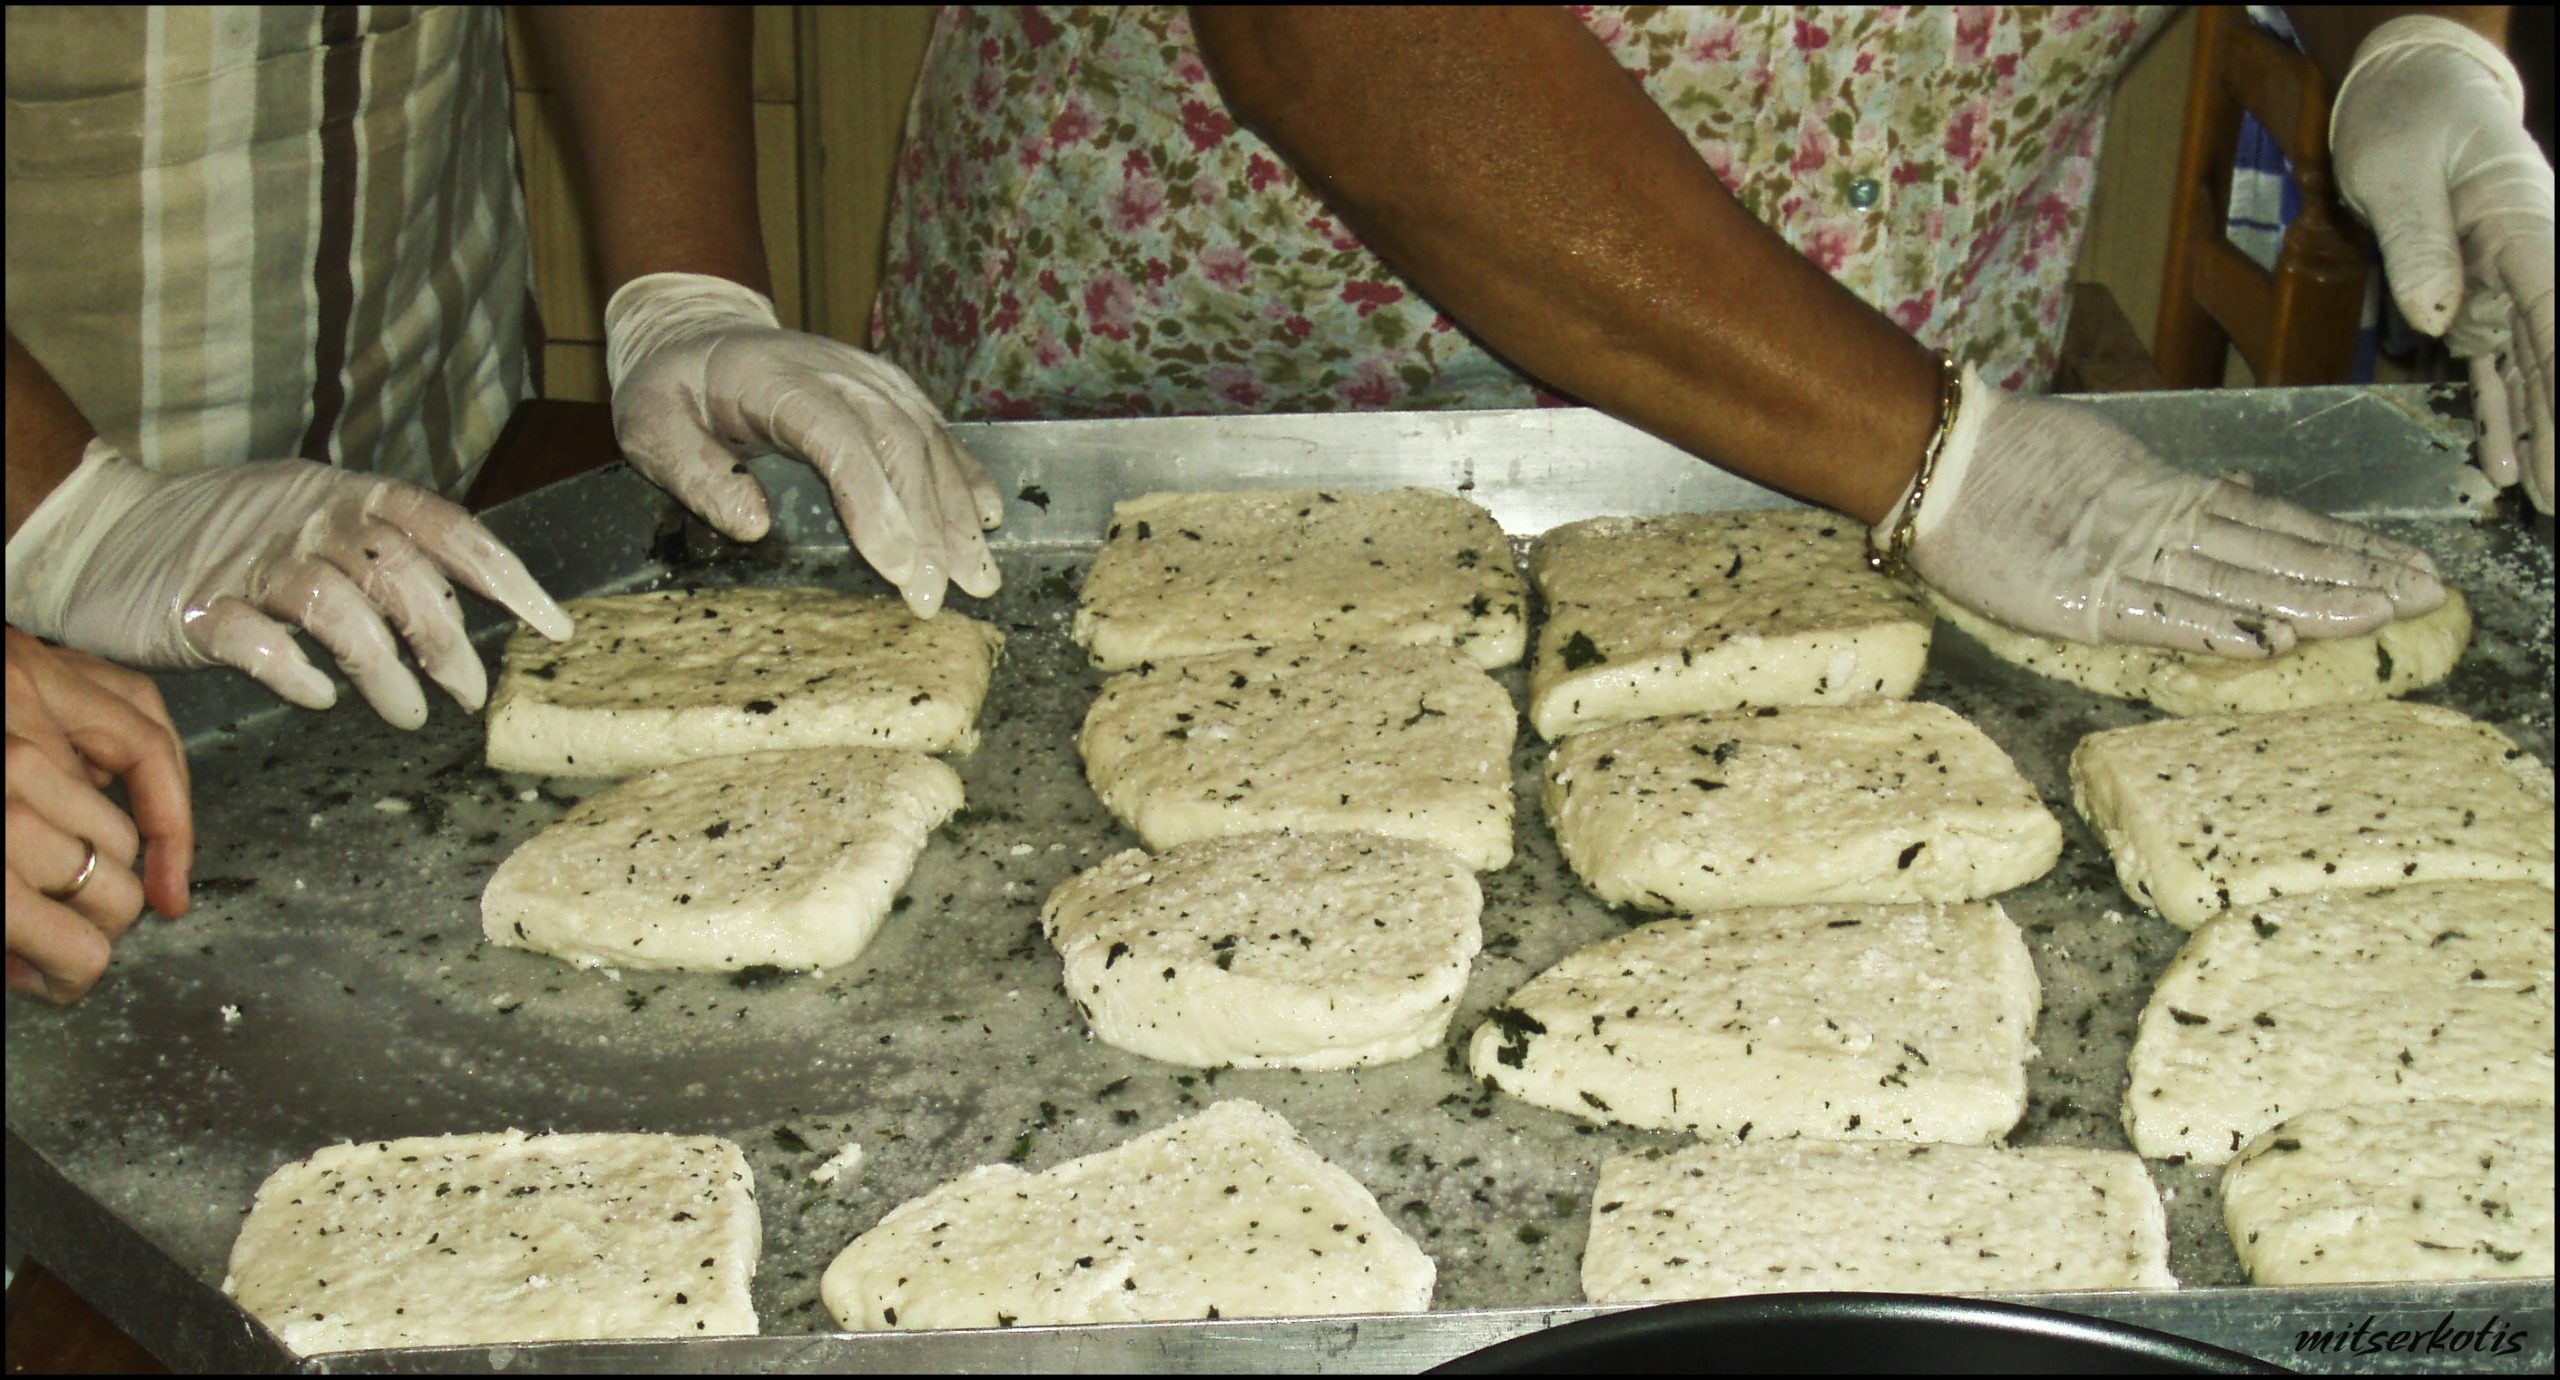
76, 724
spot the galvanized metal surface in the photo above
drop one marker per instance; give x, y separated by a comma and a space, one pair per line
331, 984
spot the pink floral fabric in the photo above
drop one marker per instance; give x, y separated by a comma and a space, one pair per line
1079, 228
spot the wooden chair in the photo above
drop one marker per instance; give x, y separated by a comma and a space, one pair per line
2296, 325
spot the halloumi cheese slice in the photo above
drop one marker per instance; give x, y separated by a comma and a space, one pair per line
1905, 1023
2396, 1191
2436, 991
1407, 741
1895, 801
653, 679
1698, 613
1196, 574
501, 1237
2399, 657
1228, 1214
1796, 1216
1316, 951
784, 858
2230, 809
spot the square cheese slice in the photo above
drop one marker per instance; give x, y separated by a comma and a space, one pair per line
1908, 1023
654, 679
2410, 654
1227, 1214
2228, 809
783, 858
1799, 1216
1408, 741
1894, 801
1305, 951
2439, 991
1697, 613
2396, 1191
501, 1237
1195, 574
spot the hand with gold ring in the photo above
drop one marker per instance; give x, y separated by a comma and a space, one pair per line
80, 869
79, 879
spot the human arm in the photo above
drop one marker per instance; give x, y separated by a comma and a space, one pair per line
76, 723
45, 434
215, 567
1502, 162
2427, 136
657, 101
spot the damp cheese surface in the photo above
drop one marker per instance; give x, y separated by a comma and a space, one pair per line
650, 680
1793, 1216
501, 1237
788, 859
2229, 809
1195, 574
1408, 741
1315, 951
1895, 801
2435, 991
1697, 613
1908, 1023
2396, 1191
1226, 1214
2400, 657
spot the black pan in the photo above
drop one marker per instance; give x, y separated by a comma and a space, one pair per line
1822, 1334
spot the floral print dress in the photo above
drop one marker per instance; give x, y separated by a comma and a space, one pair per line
1079, 228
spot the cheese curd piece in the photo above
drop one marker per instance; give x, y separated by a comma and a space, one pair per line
1797, 1216
2230, 809
2411, 654
783, 858
2403, 1191
1196, 574
1322, 951
2336, 998
1407, 741
654, 679
1697, 613
1881, 802
1905, 1023
1225, 1215
504, 1237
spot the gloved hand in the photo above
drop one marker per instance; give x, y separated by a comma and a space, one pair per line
2428, 137
704, 376
171, 571
2047, 516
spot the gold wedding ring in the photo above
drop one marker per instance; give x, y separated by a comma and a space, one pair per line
88, 866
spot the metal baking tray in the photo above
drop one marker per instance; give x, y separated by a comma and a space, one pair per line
331, 983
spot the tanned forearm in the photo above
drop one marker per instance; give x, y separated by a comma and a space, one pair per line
658, 103
1503, 163
2331, 33
46, 434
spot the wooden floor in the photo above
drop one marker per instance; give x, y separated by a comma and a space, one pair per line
53, 1332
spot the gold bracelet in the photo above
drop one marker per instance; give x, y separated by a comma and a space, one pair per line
1897, 545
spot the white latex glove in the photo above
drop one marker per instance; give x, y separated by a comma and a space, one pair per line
704, 376
166, 572
2049, 517
2428, 137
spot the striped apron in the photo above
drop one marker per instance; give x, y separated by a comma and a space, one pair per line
254, 233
